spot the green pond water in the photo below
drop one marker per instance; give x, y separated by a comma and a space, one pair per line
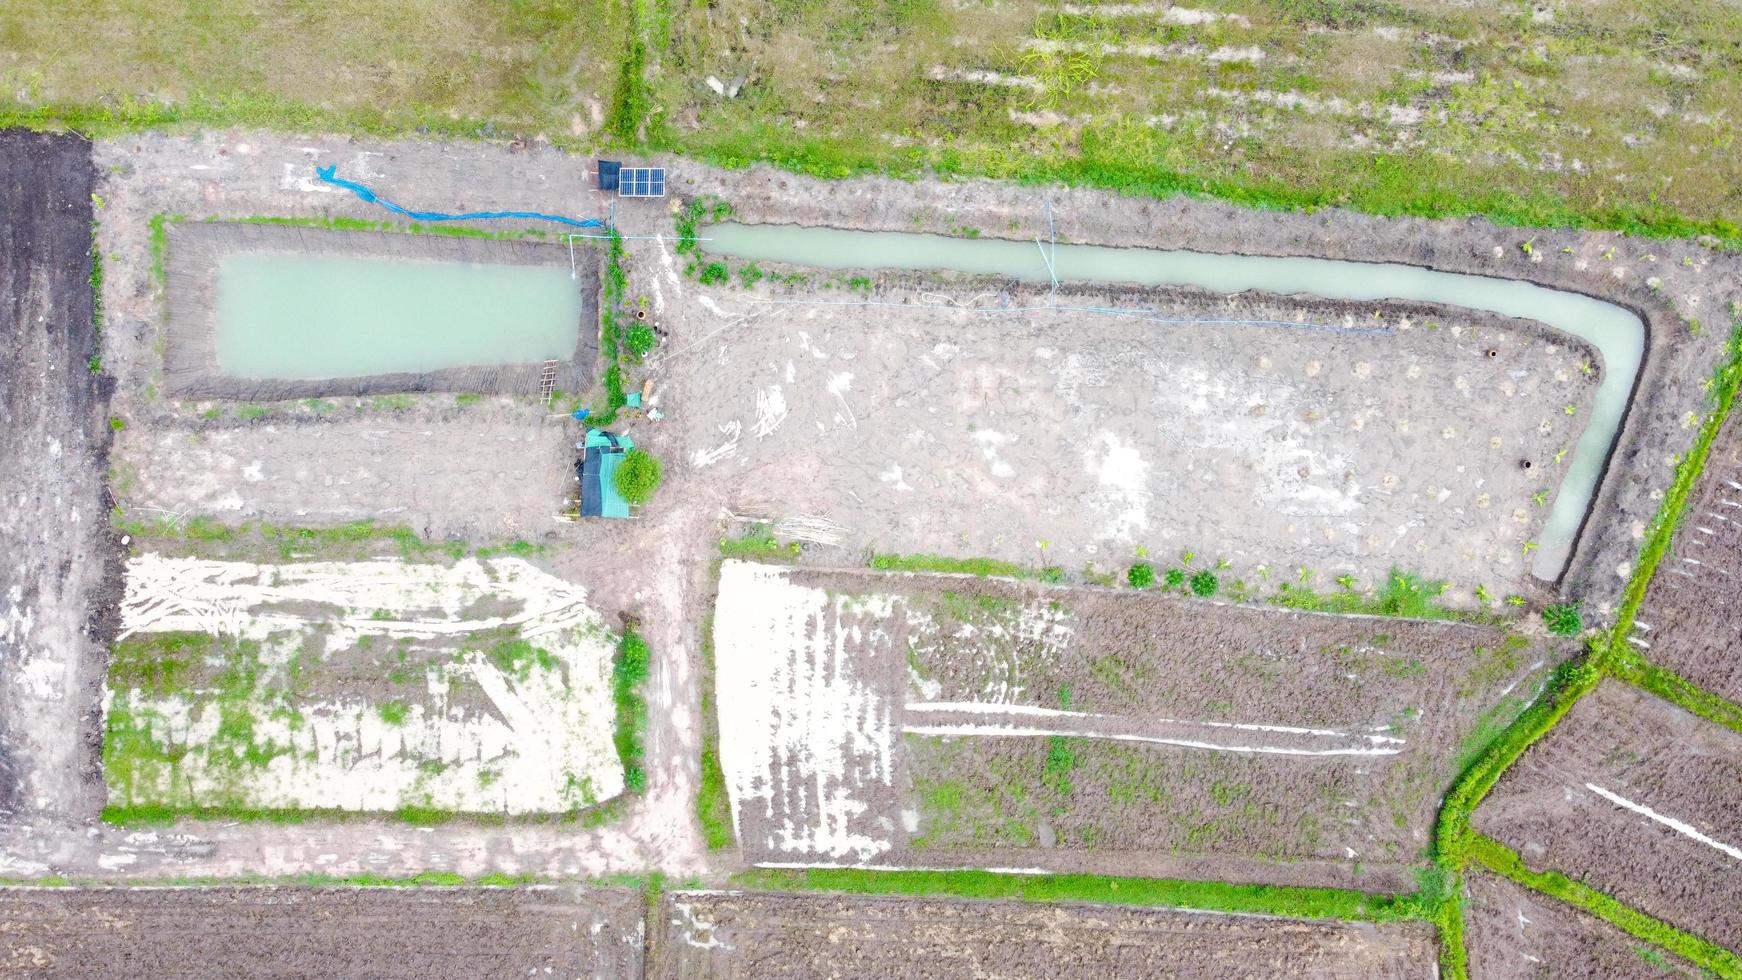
1614, 331
306, 317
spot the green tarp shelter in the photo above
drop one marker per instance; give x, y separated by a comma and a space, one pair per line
601, 453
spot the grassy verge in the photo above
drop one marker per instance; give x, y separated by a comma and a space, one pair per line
958, 566
628, 672
164, 815
1505, 861
758, 543
1308, 903
713, 804
1455, 842
1673, 687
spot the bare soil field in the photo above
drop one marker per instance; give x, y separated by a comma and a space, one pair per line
491, 470
200, 933
1636, 798
958, 721
724, 935
1071, 438
60, 579
1691, 620
1513, 933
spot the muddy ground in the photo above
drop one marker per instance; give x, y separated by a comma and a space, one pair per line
199, 933
1560, 808
60, 579
1513, 933
1691, 620
1362, 723
657, 567
1076, 439
490, 471
722, 935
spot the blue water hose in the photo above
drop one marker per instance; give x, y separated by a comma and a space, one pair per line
327, 175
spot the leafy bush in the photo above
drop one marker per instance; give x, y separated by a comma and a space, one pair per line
1175, 578
638, 476
1563, 619
1141, 575
1205, 584
713, 274
641, 340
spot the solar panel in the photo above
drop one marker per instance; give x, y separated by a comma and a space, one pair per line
641, 182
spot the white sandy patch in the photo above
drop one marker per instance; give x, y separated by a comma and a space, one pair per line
990, 442
1124, 479
544, 745
1670, 822
725, 450
1033, 732
771, 411
809, 741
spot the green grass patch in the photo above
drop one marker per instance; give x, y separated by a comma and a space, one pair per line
628, 672
758, 544
1672, 687
1505, 861
990, 567
713, 803
1311, 903
1404, 596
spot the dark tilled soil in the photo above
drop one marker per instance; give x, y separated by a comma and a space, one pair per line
1655, 755
1691, 621
1513, 933
765, 936
60, 577
126, 934
1076, 804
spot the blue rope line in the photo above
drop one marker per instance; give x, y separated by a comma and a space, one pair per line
326, 174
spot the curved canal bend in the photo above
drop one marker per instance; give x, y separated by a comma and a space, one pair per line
1616, 332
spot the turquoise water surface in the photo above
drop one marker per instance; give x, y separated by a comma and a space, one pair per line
306, 317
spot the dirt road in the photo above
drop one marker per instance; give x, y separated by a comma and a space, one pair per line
60, 578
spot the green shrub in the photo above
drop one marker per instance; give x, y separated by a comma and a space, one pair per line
1141, 575
1175, 578
1205, 584
1053, 574
638, 476
1563, 619
641, 340
628, 672
713, 274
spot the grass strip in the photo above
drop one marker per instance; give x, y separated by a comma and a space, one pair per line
1658, 539
713, 804
1388, 185
1505, 861
165, 814
1674, 688
628, 672
423, 879
1306, 903
988, 567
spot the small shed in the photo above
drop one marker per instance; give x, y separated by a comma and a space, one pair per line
596, 470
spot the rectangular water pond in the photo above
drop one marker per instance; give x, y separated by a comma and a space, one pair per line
265, 311
285, 316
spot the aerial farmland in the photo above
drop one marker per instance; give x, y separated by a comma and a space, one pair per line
726, 491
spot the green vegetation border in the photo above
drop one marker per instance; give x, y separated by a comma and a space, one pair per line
713, 803
1672, 687
1502, 860
1309, 903
1455, 843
